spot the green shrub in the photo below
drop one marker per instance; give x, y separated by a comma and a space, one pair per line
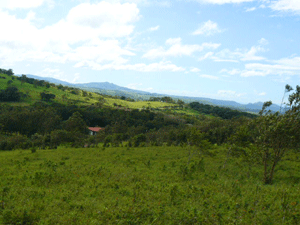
138, 139
16, 218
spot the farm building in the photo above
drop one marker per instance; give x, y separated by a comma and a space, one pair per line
95, 130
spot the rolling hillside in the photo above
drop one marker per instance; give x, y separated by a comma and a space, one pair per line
115, 90
70, 95
32, 90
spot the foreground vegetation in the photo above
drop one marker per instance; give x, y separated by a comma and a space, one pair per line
150, 185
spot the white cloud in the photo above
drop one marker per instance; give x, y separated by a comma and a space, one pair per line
262, 6
293, 63
137, 86
286, 5
229, 93
165, 3
251, 9
231, 72
95, 15
134, 86
48, 72
220, 2
14, 4
17, 45
195, 70
140, 67
99, 51
208, 28
173, 41
282, 67
160, 3
252, 73
76, 77
207, 55
75, 38
226, 55
262, 94
263, 41
209, 77
238, 55
178, 49
154, 28
102, 19
251, 54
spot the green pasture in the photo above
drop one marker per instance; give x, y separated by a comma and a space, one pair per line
189, 111
138, 104
146, 185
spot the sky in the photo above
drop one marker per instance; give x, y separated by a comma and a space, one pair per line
240, 50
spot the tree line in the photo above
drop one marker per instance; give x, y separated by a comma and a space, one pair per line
155, 128
223, 112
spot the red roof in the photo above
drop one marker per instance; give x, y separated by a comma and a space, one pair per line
96, 129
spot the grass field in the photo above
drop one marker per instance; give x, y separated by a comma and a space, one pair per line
149, 185
137, 104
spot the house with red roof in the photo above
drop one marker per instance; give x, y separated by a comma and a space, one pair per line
95, 130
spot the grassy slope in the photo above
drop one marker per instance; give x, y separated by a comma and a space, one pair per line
152, 185
34, 93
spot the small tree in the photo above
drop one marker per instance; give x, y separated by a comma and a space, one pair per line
197, 138
75, 123
101, 101
60, 87
84, 93
269, 137
23, 79
47, 85
10, 72
10, 94
180, 103
9, 82
47, 97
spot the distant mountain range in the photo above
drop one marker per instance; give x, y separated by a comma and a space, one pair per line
115, 90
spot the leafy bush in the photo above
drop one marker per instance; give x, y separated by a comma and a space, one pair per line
58, 137
24, 218
15, 141
138, 140
10, 94
47, 97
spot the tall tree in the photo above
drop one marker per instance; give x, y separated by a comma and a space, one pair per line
75, 123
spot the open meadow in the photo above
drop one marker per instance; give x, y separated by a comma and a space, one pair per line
145, 185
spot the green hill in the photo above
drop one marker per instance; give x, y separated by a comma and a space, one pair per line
33, 90
68, 95
106, 88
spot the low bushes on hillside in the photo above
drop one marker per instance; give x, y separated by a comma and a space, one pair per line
10, 94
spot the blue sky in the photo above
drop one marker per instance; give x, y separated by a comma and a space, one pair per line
241, 50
